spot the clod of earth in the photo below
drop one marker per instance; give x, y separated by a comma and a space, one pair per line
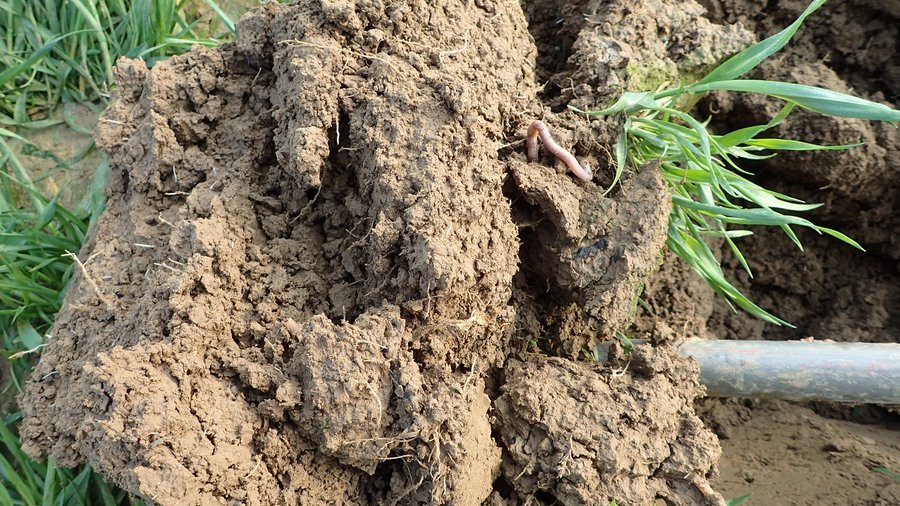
343, 264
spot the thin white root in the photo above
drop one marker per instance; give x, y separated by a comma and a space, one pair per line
110, 303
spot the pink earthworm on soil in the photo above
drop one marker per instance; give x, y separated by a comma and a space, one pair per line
539, 129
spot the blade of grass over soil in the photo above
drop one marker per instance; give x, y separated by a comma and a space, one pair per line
737, 501
710, 191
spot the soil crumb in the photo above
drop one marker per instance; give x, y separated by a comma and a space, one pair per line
636, 438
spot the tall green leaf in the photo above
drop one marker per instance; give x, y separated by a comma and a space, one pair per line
748, 59
820, 100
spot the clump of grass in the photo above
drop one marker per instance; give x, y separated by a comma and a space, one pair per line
26, 482
56, 51
35, 234
34, 271
709, 189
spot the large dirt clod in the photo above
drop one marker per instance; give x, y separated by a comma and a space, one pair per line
319, 251
589, 438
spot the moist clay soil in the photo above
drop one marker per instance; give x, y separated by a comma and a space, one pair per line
326, 273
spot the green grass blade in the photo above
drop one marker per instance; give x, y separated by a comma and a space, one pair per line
628, 102
690, 247
47, 214
106, 494
70, 120
221, 14
734, 234
792, 145
890, 473
20, 174
11, 477
89, 13
748, 59
737, 501
29, 125
26, 64
793, 237
764, 198
11, 442
49, 483
621, 149
162, 18
745, 134
736, 251
12, 135
29, 337
841, 237
19, 114
820, 100
5, 498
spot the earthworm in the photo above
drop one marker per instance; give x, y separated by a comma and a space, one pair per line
538, 128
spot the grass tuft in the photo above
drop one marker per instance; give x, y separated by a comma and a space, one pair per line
710, 191
35, 234
57, 51
34, 272
26, 482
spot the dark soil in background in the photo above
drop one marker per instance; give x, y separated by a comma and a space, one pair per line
326, 273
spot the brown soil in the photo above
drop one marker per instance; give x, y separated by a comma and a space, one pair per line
788, 454
326, 273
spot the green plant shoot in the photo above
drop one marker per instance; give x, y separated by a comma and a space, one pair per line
709, 189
